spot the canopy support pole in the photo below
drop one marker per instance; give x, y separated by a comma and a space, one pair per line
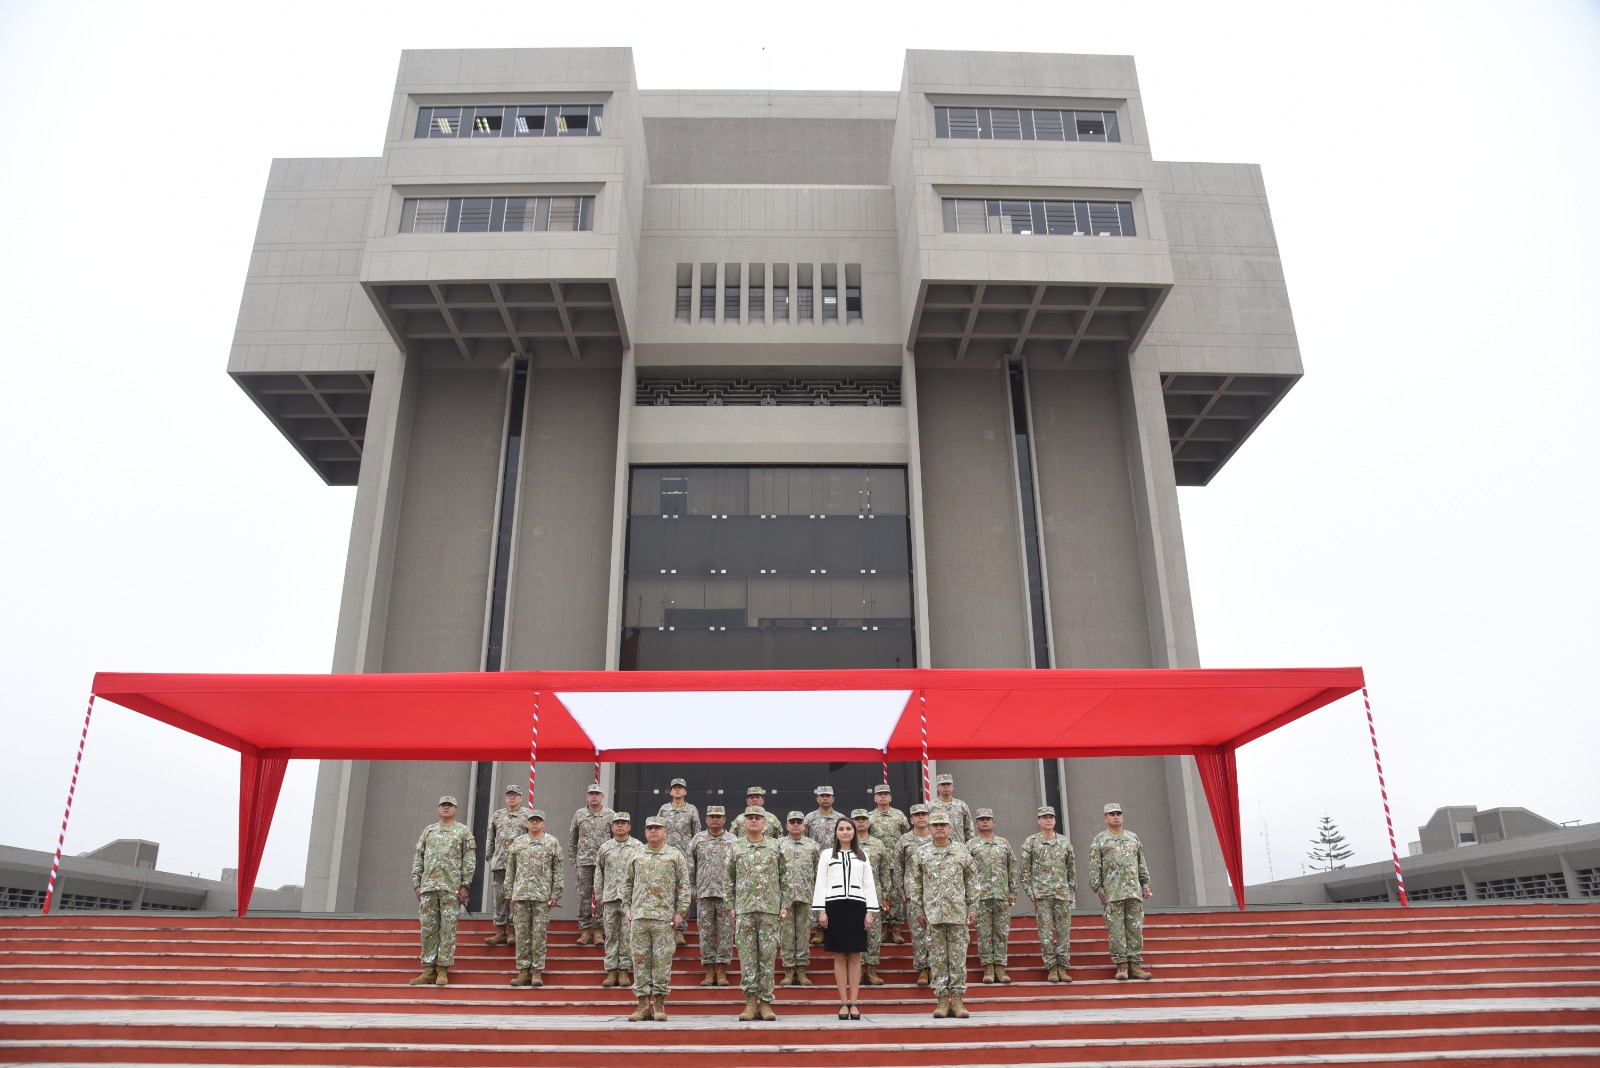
533, 749
927, 786
260, 780
72, 789
1219, 774
1394, 849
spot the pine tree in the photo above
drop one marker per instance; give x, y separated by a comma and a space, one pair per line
1331, 850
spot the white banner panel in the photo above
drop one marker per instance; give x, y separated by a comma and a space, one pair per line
738, 719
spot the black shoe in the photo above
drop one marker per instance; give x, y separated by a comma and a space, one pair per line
844, 1012
855, 1012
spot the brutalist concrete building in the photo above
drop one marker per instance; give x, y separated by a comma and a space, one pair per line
650, 379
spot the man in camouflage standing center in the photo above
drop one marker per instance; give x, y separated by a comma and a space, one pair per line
1117, 872
1050, 877
655, 884
505, 824
941, 892
995, 887
441, 870
591, 826
708, 873
610, 861
534, 885
756, 871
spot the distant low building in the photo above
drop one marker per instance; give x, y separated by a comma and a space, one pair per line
121, 876
1463, 855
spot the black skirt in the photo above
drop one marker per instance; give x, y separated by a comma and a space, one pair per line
846, 931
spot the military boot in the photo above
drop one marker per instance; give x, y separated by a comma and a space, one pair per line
801, 978
1000, 975
536, 978
750, 1010
498, 938
788, 976
585, 938
625, 977
943, 1010
1122, 969
958, 1009
988, 973
722, 975
711, 976
816, 937
1062, 976
869, 974
924, 977
645, 1011
429, 974
658, 1006
443, 977
611, 979
895, 936
1136, 970
1053, 975
764, 1009
524, 978
678, 939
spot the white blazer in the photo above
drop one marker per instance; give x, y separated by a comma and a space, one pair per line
841, 877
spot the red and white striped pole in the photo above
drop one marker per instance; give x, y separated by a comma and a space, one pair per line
533, 749
72, 789
927, 785
1394, 849
886, 767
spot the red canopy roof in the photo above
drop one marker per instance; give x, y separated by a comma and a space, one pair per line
971, 714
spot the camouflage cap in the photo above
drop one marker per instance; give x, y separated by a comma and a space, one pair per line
1113, 807
447, 799
939, 817
797, 815
824, 790
677, 782
943, 779
716, 810
919, 809
621, 817
983, 814
755, 791
860, 814
760, 813
656, 821
882, 788
514, 789
1046, 810
595, 789
535, 814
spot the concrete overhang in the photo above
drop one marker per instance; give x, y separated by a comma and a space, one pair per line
1210, 415
486, 320
986, 320
323, 414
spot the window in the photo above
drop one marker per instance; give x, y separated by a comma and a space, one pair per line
852, 302
803, 303
1032, 218
830, 302
730, 303
480, 215
780, 303
758, 304
685, 302
512, 120
1025, 124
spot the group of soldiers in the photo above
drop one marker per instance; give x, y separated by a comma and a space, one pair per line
939, 870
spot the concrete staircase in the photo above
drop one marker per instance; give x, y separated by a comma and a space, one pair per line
1471, 984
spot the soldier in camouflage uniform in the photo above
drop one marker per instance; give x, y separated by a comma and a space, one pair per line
995, 886
1117, 872
1050, 877
591, 826
441, 870
800, 854
708, 874
820, 820
533, 875
756, 798
683, 823
962, 827
942, 893
916, 838
655, 884
504, 825
882, 875
756, 878
886, 824
610, 861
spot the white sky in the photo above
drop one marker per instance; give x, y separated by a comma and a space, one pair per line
1420, 504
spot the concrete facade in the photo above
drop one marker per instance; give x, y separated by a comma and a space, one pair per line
121, 876
396, 362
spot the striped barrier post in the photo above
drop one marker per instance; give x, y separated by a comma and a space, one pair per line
533, 749
72, 789
927, 785
1394, 849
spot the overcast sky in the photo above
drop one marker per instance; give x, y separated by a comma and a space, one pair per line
1422, 504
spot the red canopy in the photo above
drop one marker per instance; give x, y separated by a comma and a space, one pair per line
585, 715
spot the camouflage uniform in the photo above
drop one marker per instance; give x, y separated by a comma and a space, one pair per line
799, 880
886, 827
882, 873
708, 873
995, 888
1117, 870
905, 848
819, 827
962, 826
587, 834
610, 861
1050, 877
533, 874
769, 827
504, 826
756, 877
445, 860
655, 884
683, 823
941, 888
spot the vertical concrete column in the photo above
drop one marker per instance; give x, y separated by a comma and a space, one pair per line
619, 512
721, 284
1569, 875
919, 546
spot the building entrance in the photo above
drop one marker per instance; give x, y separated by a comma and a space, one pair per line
641, 789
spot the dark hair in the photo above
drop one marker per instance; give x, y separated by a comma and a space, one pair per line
855, 843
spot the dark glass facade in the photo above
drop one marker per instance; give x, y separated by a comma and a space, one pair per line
741, 568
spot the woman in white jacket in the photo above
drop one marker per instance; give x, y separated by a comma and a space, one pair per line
845, 903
